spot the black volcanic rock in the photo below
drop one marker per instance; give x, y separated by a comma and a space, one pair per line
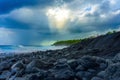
113, 72
104, 45
92, 59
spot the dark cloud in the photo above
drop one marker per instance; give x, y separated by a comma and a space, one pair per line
8, 5
26, 22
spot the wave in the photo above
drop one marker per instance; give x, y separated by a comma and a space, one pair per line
26, 48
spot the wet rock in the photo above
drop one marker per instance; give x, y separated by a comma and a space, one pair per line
34, 77
62, 61
64, 74
88, 75
49, 78
32, 70
20, 78
117, 58
26, 61
42, 74
103, 66
18, 64
38, 64
61, 66
84, 74
17, 67
72, 63
20, 73
91, 70
88, 62
101, 74
12, 78
113, 72
5, 65
97, 78
5, 75
79, 75
80, 68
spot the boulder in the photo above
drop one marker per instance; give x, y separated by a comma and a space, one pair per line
97, 78
117, 58
34, 77
72, 63
101, 74
84, 74
20, 78
61, 66
64, 74
49, 78
42, 74
80, 68
5, 75
38, 64
32, 70
88, 62
80, 75
5, 65
113, 72
61, 61
18, 65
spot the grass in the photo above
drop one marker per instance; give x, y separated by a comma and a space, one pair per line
70, 42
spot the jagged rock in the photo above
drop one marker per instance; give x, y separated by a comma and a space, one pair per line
5, 65
12, 78
17, 67
79, 75
72, 63
38, 64
64, 74
20, 73
113, 72
61, 66
84, 74
101, 74
32, 70
62, 61
88, 62
103, 66
97, 78
42, 74
80, 68
117, 58
20, 78
5, 75
91, 70
18, 64
49, 78
34, 77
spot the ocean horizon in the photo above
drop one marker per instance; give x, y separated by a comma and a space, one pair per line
17, 49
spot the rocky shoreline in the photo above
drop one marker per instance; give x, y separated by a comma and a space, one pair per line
53, 65
93, 59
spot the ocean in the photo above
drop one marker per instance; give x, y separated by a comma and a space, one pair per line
9, 50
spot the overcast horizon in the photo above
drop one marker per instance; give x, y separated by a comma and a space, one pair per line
41, 22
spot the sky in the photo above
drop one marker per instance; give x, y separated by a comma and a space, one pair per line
42, 22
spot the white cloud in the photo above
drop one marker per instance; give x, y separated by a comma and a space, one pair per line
22, 15
7, 36
34, 17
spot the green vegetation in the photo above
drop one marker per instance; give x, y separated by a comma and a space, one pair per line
70, 42
66, 42
111, 32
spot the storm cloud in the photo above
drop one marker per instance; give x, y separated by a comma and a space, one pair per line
35, 22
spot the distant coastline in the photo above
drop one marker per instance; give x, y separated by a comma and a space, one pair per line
75, 41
